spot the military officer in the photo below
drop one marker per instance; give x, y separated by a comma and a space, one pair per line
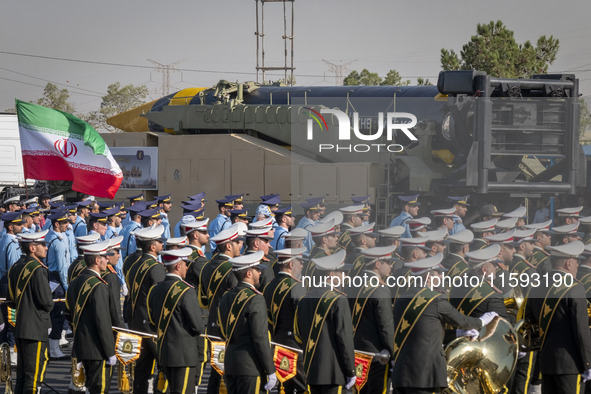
391, 236
568, 215
89, 305
179, 328
165, 206
420, 315
216, 278
482, 230
311, 216
282, 296
410, 209
285, 221
325, 239
444, 218
542, 238
458, 246
79, 264
488, 212
82, 215
29, 293
362, 237
324, 329
221, 221
128, 245
132, 201
560, 308
190, 208
584, 271
352, 217
461, 208
520, 213
140, 277
242, 318
258, 239
295, 238
109, 275
562, 235
436, 241
373, 324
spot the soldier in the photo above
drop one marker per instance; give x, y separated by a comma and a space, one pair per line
31, 296
567, 216
352, 218
242, 318
444, 218
461, 208
282, 296
373, 325
221, 221
238, 201
259, 239
10, 250
489, 212
391, 236
89, 304
128, 245
295, 238
164, 206
113, 222
410, 209
362, 237
420, 315
436, 241
565, 234
71, 212
561, 308
324, 330
285, 221
325, 239
179, 329
79, 264
97, 223
140, 277
542, 239
216, 278
586, 228
524, 246
176, 243
58, 261
312, 215
82, 215
458, 245
482, 230
28, 226
132, 201
192, 208
520, 213
418, 226
109, 275
584, 271
198, 238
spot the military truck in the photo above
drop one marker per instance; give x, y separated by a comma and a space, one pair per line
492, 138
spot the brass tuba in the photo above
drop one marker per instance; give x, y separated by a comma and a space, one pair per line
482, 366
125, 375
5, 367
78, 377
514, 301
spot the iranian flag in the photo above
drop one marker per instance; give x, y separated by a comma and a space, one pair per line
57, 146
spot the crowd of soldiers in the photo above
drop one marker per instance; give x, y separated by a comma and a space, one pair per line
256, 281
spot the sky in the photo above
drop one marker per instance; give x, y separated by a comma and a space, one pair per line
86, 46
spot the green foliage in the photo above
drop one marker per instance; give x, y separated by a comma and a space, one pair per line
423, 82
493, 49
117, 100
56, 99
585, 121
367, 78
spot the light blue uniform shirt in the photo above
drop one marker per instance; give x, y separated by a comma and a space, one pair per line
58, 255
128, 245
401, 220
279, 242
308, 242
80, 229
72, 242
221, 222
10, 252
458, 225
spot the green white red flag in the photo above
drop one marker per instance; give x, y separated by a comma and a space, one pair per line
58, 146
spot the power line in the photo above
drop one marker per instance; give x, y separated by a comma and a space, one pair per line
55, 83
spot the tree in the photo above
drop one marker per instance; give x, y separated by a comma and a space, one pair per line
494, 50
585, 121
117, 100
423, 82
393, 78
56, 99
367, 78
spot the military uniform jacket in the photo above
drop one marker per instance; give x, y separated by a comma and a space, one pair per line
179, 344
35, 303
267, 275
375, 330
584, 276
283, 332
196, 262
110, 276
478, 243
76, 267
493, 303
421, 362
334, 359
139, 314
206, 277
567, 348
93, 336
248, 352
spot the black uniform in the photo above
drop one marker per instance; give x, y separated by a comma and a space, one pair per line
374, 332
76, 268
137, 312
94, 342
421, 362
281, 327
334, 358
33, 303
248, 360
177, 350
111, 278
213, 299
566, 352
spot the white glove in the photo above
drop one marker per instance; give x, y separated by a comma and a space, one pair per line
271, 381
488, 317
2, 326
586, 375
350, 382
472, 333
124, 290
112, 360
392, 365
521, 355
